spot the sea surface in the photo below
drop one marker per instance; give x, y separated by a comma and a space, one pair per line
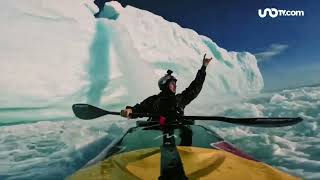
55, 148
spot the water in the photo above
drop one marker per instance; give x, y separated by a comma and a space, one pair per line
293, 149
55, 149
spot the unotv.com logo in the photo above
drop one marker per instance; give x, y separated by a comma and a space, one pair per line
273, 12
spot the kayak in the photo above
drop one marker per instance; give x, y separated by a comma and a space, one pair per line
183, 150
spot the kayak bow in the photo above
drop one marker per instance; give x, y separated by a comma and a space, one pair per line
151, 151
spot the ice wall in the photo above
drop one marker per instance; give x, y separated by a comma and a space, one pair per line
148, 43
55, 53
43, 50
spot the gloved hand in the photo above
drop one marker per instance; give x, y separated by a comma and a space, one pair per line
126, 113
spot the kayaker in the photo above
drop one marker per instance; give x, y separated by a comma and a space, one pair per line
167, 102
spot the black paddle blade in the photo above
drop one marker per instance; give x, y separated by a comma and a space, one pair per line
270, 122
87, 111
254, 122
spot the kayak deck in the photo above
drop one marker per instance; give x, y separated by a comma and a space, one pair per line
199, 163
137, 155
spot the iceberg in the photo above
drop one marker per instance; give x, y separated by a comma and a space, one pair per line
59, 54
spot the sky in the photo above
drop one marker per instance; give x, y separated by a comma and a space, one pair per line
287, 48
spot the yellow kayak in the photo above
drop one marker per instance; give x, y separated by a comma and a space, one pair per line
175, 152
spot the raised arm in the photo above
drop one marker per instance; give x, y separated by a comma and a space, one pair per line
191, 92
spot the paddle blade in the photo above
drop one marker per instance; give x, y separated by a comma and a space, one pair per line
87, 111
254, 122
270, 122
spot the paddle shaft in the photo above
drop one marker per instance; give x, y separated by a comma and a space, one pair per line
258, 122
87, 112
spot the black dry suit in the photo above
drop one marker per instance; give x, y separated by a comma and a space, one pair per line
167, 103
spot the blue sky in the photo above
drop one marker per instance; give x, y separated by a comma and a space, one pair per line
288, 48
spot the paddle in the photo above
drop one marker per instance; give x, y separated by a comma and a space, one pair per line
256, 122
87, 112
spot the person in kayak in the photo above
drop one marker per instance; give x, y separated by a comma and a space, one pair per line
167, 102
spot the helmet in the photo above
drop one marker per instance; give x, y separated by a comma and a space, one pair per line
164, 81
